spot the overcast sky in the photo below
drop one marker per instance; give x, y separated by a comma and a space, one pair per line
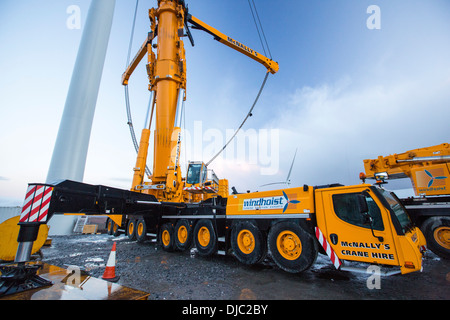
344, 92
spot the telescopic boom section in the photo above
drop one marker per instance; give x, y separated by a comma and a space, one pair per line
167, 76
169, 79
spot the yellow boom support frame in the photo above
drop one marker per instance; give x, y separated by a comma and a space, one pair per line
167, 79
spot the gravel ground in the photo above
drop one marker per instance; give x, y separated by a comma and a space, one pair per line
187, 276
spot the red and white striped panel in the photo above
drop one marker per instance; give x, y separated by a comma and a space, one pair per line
199, 188
326, 246
192, 188
210, 189
36, 204
196, 190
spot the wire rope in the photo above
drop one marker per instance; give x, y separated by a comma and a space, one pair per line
249, 114
257, 28
127, 94
262, 29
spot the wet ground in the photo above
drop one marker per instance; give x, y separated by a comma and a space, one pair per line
187, 276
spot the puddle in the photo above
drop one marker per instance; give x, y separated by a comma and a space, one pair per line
327, 274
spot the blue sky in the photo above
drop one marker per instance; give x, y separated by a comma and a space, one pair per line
343, 94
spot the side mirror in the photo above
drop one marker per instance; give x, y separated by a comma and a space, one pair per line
364, 210
381, 177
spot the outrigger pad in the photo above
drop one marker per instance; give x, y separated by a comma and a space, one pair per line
20, 277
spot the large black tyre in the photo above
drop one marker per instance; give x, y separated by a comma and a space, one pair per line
141, 231
131, 230
437, 233
183, 235
291, 248
166, 237
116, 231
248, 243
205, 238
109, 226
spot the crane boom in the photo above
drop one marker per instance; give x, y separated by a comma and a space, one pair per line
428, 168
271, 65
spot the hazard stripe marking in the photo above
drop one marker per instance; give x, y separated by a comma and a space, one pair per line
28, 201
36, 204
326, 246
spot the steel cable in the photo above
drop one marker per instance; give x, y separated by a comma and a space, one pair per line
249, 114
127, 95
255, 16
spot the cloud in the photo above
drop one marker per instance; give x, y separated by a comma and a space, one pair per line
3, 178
338, 125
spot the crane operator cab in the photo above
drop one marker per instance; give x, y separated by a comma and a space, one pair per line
200, 179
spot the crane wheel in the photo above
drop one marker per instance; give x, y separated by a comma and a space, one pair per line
131, 230
166, 237
205, 238
248, 243
291, 248
141, 231
110, 226
437, 234
183, 235
116, 231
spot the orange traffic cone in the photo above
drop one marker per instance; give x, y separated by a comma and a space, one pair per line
110, 270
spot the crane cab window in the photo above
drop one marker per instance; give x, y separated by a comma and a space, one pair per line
204, 174
193, 174
347, 209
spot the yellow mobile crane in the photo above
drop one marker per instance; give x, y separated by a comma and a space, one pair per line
429, 171
358, 223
